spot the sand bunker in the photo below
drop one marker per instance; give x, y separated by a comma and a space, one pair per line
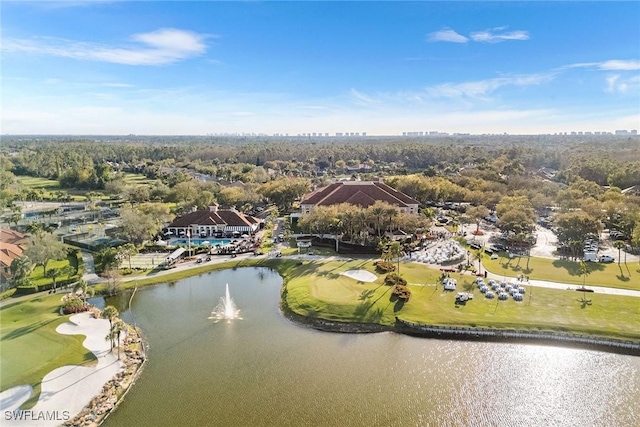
70, 388
360, 275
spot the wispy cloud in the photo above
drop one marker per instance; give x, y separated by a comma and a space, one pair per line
494, 35
610, 65
619, 84
447, 35
163, 46
482, 88
361, 98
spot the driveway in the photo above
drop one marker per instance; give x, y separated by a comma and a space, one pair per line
546, 244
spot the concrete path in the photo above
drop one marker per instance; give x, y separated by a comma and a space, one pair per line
89, 274
571, 287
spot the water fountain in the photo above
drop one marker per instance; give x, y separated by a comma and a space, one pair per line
226, 309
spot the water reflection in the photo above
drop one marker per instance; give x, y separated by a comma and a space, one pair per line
268, 371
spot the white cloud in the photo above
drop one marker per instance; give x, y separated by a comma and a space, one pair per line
163, 46
361, 98
619, 84
482, 88
610, 65
490, 36
447, 36
495, 35
620, 65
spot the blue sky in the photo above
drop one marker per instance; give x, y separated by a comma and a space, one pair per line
200, 67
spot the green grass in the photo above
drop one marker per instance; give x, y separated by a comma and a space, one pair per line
39, 183
565, 271
136, 179
37, 277
318, 290
30, 346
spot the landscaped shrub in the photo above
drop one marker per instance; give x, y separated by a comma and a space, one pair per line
401, 291
384, 266
71, 303
393, 278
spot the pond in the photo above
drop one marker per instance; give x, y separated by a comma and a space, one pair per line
264, 370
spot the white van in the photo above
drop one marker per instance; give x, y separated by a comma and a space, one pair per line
590, 256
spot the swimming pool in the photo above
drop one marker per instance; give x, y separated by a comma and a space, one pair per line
201, 242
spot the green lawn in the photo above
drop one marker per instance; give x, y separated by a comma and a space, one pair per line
317, 289
564, 271
137, 179
37, 277
30, 346
39, 183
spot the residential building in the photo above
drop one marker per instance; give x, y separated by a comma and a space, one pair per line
9, 250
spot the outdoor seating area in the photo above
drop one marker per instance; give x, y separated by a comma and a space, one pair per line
448, 252
502, 289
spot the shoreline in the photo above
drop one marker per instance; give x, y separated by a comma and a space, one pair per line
114, 390
404, 327
102, 386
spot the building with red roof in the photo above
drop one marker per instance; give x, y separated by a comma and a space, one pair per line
359, 193
10, 249
209, 222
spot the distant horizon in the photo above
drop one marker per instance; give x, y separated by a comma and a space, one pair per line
630, 132
201, 67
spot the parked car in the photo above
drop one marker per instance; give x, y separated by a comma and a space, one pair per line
606, 258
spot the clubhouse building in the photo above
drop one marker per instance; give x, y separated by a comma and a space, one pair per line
359, 193
214, 222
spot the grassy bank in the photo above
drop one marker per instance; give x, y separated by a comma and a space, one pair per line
31, 347
318, 289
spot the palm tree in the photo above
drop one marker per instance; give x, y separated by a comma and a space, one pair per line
53, 274
391, 212
394, 250
619, 245
69, 271
386, 255
128, 250
584, 272
110, 313
361, 223
116, 329
376, 212
111, 336
83, 286
20, 269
